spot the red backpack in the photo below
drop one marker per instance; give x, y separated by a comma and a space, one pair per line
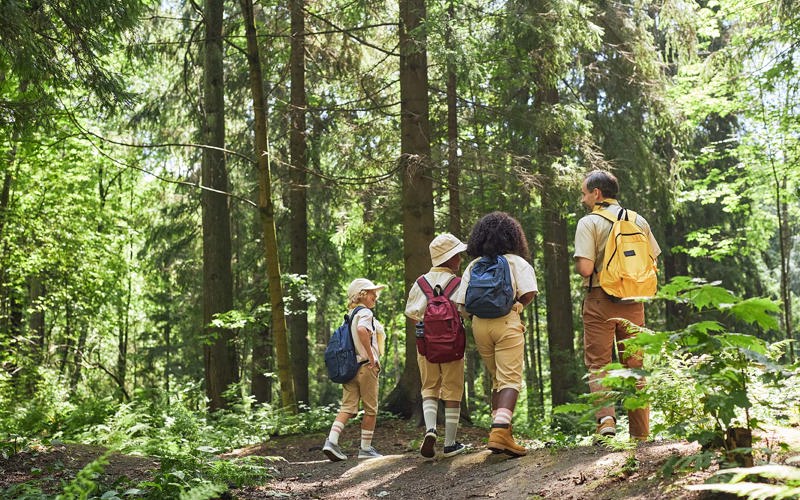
444, 338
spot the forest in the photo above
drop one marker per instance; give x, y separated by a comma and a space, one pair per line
188, 188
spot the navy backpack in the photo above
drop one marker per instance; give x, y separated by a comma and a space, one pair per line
490, 293
340, 355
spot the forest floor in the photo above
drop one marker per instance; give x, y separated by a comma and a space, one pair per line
300, 470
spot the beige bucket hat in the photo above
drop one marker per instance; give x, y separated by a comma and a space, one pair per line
445, 246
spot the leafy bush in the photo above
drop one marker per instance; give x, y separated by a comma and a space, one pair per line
704, 379
718, 369
757, 483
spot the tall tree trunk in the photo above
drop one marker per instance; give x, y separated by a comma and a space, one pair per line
122, 336
261, 386
36, 320
298, 226
531, 375
221, 367
785, 245
560, 331
168, 362
454, 200
417, 186
77, 358
266, 210
675, 264
67, 346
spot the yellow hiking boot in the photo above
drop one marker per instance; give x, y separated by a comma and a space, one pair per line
501, 441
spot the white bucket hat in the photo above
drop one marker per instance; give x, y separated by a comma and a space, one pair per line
360, 284
445, 246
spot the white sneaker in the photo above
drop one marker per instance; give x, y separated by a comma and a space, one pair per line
333, 452
370, 452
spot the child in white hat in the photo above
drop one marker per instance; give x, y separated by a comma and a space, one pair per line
368, 338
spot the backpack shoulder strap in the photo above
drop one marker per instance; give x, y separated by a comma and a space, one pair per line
507, 270
606, 215
352, 316
426, 288
451, 286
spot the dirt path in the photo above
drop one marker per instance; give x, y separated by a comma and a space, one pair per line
300, 470
591, 472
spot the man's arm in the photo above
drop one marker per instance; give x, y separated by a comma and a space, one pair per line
584, 266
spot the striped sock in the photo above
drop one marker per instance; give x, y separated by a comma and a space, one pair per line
366, 439
336, 429
451, 416
429, 409
503, 417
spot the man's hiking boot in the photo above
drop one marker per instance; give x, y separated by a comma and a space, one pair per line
428, 447
607, 428
370, 452
454, 449
333, 452
501, 441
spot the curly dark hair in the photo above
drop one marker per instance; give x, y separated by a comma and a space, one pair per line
495, 234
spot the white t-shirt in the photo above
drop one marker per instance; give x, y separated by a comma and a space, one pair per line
377, 336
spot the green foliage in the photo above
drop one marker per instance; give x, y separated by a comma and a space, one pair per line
756, 483
720, 366
203, 491
24, 491
704, 379
193, 448
697, 462
85, 482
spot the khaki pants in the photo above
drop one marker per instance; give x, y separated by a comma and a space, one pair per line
599, 336
443, 381
501, 344
364, 388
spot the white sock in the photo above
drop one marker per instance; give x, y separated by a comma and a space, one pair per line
451, 416
366, 439
429, 409
503, 416
336, 429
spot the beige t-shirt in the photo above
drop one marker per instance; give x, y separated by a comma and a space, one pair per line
417, 301
592, 233
523, 278
377, 336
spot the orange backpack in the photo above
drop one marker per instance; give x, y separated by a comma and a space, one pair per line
629, 268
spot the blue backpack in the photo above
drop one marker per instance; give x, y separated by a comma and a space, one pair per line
340, 355
490, 293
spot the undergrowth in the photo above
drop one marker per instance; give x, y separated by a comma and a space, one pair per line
189, 444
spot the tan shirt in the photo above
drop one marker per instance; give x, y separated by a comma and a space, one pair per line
523, 278
417, 301
592, 233
377, 336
